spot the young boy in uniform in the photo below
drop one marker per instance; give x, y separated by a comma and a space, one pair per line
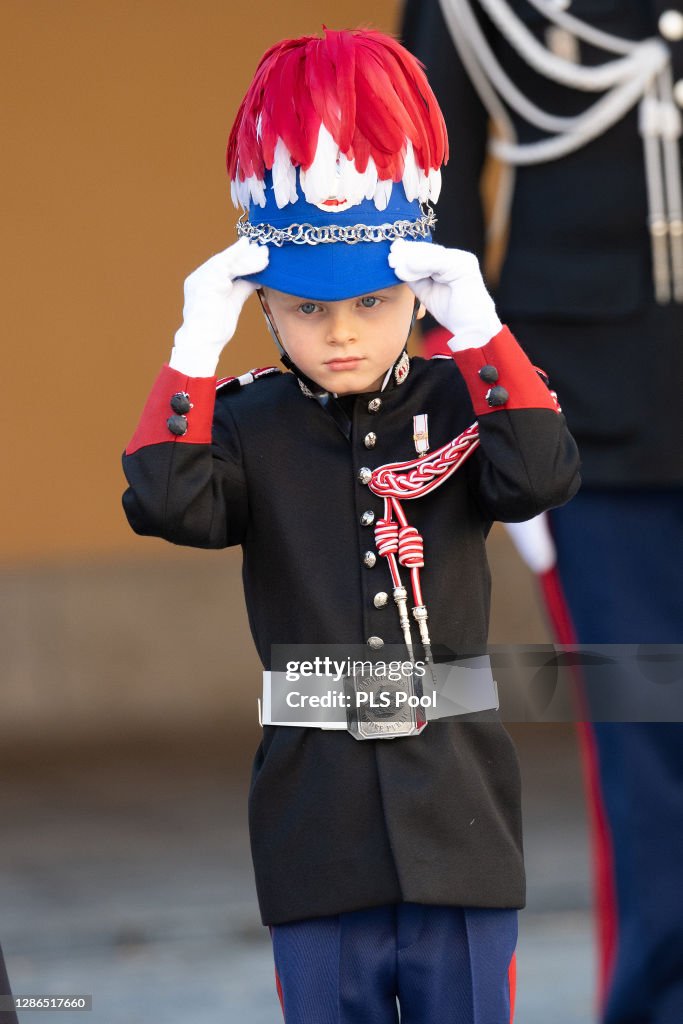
389, 870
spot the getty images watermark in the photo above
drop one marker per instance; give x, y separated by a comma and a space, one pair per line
339, 671
388, 697
320, 685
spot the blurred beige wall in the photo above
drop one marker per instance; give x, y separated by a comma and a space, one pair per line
116, 118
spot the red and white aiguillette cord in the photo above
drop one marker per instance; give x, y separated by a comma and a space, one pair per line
399, 542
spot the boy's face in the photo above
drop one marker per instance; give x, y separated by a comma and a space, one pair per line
346, 346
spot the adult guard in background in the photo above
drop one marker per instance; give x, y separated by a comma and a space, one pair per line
592, 279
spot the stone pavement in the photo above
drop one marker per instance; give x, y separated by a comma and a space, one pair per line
125, 874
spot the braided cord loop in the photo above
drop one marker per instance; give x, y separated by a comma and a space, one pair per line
396, 538
407, 480
410, 548
386, 537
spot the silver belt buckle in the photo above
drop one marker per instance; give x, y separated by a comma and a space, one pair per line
376, 708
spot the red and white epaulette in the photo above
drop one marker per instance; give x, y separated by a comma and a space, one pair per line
233, 383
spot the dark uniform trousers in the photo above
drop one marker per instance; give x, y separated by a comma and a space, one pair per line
454, 965
576, 285
339, 825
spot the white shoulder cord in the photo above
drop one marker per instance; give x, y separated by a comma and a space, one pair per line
642, 73
670, 128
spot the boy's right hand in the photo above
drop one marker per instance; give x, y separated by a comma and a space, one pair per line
214, 296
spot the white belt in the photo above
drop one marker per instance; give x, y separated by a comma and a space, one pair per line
459, 688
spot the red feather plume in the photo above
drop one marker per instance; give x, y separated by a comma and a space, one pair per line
368, 91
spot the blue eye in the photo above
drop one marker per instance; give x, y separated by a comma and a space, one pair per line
308, 307
369, 301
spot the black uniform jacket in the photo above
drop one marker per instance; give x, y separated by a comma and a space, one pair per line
337, 824
576, 280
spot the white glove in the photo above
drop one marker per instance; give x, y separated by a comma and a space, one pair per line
449, 283
534, 542
214, 297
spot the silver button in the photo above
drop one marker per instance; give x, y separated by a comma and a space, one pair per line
678, 92
375, 642
379, 600
369, 559
367, 519
671, 26
364, 475
374, 405
370, 440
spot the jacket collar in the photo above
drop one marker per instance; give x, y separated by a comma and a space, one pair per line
394, 377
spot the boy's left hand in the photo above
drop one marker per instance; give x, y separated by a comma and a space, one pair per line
449, 283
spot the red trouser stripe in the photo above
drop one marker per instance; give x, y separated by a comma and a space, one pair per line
605, 899
278, 985
512, 984
607, 923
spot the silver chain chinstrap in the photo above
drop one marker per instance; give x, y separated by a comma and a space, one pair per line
310, 234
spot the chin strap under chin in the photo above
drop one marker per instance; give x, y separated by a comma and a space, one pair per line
314, 388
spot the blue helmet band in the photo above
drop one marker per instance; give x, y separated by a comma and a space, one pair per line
330, 254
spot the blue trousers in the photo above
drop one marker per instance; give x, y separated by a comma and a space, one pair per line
443, 965
619, 556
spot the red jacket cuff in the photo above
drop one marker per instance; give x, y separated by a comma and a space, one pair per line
189, 422
499, 375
